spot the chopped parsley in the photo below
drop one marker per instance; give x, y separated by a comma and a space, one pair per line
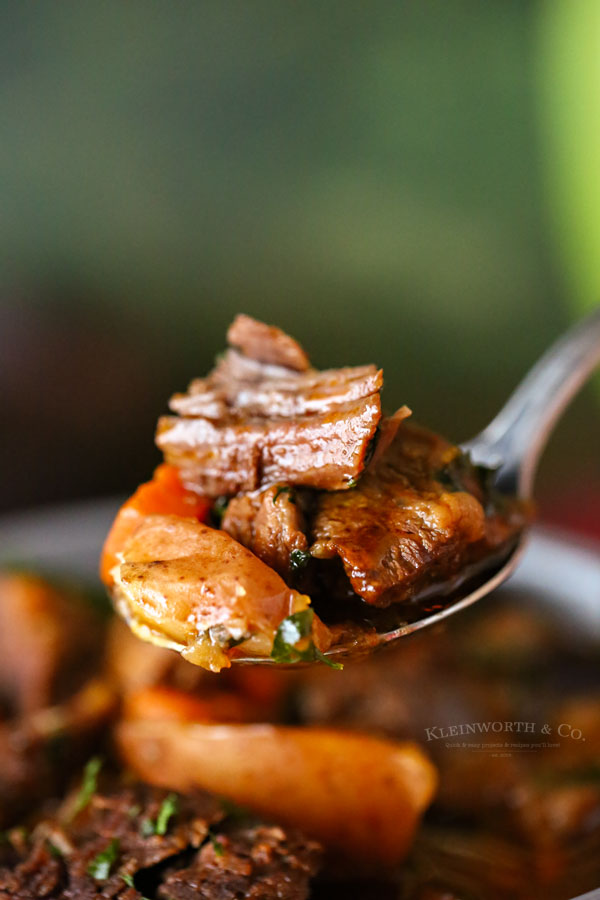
461, 473
284, 489
296, 629
168, 809
352, 482
217, 846
89, 784
218, 510
128, 879
100, 866
299, 559
147, 828
53, 850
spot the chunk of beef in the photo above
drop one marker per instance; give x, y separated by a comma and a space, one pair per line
126, 819
38, 875
266, 343
263, 416
233, 389
269, 523
125, 830
256, 862
134, 815
234, 366
324, 451
406, 524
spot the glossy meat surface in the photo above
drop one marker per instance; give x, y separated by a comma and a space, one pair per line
401, 527
234, 388
122, 837
264, 416
269, 523
299, 467
325, 451
266, 343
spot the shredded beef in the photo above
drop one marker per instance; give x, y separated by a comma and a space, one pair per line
59, 860
324, 451
40, 874
128, 812
258, 863
261, 417
266, 343
262, 392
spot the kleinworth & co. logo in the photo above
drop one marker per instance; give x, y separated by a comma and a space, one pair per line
503, 738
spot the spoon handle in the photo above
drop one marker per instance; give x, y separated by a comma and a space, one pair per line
515, 438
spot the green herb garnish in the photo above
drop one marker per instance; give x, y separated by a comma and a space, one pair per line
168, 808
147, 828
89, 784
462, 474
128, 879
284, 489
290, 632
100, 866
216, 844
219, 509
299, 559
53, 850
352, 482
296, 629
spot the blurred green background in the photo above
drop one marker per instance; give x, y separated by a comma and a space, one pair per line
407, 183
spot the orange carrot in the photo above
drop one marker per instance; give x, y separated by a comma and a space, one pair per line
166, 704
164, 495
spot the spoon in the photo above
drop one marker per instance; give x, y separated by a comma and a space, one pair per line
512, 445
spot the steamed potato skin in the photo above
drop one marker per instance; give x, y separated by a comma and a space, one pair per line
362, 796
178, 578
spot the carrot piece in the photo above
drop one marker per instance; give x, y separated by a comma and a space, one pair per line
164, 495
166, 704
